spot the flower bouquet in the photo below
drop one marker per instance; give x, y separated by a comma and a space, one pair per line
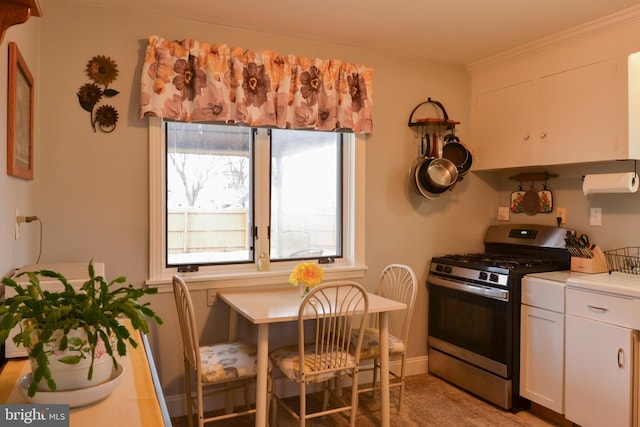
306, 275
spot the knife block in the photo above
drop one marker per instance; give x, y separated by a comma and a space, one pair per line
596, 264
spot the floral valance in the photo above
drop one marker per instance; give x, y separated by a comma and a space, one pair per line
194, 81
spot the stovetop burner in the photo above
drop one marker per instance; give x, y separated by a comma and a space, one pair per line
500, 261
510, 252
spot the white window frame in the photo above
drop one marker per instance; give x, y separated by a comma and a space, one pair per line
350, 266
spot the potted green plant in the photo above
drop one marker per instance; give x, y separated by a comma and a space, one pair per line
73, 326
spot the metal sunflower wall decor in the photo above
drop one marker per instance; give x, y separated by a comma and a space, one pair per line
103, 71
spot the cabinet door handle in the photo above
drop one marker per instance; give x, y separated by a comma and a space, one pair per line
620, 358
543, 135
596, 308
526, 137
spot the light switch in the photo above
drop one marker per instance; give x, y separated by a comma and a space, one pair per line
595, 216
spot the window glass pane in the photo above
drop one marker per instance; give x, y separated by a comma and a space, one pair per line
209, 198
306, 194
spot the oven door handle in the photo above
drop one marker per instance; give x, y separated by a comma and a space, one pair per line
499, 294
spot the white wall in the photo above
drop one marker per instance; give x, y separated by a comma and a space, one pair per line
620, 212
16, 193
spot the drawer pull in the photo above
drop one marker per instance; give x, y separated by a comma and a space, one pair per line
620, 358
596, 308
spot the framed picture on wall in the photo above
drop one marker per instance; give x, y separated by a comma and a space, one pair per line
20, 111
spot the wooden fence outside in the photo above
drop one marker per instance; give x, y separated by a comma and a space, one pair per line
222, 230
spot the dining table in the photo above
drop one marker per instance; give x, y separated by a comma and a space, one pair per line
263, 306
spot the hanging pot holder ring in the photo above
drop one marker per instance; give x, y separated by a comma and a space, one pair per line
517, 200
546, 200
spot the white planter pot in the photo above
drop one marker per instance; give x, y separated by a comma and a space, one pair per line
74, 376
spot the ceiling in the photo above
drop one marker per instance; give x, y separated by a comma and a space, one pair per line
451, 31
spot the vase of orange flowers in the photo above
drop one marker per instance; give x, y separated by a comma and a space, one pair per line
305, 276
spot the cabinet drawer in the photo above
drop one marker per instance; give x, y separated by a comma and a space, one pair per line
543, 293
603, 308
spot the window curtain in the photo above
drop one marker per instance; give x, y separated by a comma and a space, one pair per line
195, 81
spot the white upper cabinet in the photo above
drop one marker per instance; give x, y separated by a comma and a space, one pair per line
573, 97
502, 124
584, 114
576, 115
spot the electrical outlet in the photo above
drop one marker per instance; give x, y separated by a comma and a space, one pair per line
212, 297
503, 213
562, 214
595, 216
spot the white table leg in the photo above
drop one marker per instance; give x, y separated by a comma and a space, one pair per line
233, 325
261, 382
384, 369
232, 336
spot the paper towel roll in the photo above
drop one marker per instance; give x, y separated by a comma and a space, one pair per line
610, 183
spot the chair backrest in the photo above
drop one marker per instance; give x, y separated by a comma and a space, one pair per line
187, 320
398, 282
337, 308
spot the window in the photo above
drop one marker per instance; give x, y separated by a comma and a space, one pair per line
209, 194
306, 195
222, 195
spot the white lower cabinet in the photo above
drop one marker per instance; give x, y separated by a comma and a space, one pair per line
599, 360
542, 357
542, 340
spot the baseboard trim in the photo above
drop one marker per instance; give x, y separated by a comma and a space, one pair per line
177, 404
548, 414
415, 365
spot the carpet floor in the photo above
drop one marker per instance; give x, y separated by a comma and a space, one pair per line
429, 401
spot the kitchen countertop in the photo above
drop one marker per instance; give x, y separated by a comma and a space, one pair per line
137, 401
623, 284
558, 276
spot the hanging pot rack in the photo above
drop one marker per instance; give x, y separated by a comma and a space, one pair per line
421, 125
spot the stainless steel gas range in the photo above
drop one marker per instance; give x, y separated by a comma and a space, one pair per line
474, 308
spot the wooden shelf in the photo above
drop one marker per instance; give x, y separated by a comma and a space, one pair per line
432, 121
533, 176
13, 12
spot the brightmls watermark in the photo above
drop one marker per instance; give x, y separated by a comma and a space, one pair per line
34, 415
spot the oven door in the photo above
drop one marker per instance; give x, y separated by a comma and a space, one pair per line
471, 322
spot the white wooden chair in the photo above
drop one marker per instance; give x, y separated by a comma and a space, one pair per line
218, 368
334, 309
397, 282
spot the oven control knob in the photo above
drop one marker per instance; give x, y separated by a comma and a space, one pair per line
439, 267
483, 275
447, 269
493, 277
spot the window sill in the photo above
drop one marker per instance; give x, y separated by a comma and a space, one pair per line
236, 279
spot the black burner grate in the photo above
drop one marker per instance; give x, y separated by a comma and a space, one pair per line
488, 260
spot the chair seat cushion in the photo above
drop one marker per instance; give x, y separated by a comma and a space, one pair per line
227, 361
287, 359
371, 343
